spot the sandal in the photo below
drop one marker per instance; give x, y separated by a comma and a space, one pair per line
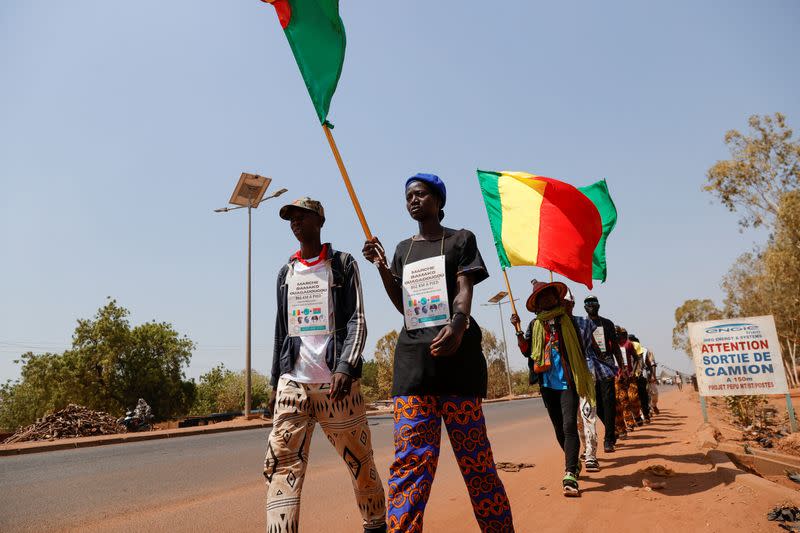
570, 484
592, 465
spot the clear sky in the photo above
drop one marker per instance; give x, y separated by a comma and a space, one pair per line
124, 124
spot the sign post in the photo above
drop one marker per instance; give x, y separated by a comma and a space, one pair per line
704, 409
792, 418
739, 357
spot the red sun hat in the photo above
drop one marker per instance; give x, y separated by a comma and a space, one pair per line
538, 287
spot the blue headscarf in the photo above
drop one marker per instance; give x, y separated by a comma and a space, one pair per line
435, 184
433, 181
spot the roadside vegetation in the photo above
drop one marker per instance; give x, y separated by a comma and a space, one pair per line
761, 183
112, 364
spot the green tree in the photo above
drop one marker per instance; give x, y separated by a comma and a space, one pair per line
520, 382
109, 367
40, 389
763, 166
761, 181
782, 268
369, 381
494, 351
221, 390
766, 281
691, 311
384, 361
209, 390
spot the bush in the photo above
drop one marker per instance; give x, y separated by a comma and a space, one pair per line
746, 410
221, 390
109, 367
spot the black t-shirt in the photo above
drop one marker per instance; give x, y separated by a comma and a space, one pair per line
610, 335
416, 371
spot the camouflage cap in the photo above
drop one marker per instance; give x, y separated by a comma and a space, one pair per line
302, 203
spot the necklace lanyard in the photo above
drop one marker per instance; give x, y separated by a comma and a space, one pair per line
408, 254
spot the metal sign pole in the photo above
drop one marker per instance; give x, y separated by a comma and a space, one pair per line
792, 419
704, 409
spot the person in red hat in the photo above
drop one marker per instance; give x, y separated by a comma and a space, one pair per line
558, 362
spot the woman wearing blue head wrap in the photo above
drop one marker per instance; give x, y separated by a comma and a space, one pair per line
439, 367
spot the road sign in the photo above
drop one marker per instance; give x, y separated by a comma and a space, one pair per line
738, 356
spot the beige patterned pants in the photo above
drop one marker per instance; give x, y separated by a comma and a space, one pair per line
298, 408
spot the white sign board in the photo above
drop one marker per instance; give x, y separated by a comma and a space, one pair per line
425, 293
307, 303
737, 357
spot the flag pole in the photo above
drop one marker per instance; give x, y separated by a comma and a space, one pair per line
347, 184
511, 298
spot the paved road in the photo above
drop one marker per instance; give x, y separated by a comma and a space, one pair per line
204, 482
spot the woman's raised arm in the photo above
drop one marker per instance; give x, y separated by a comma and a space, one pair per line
374, 253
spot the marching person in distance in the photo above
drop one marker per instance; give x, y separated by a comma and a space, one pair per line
554, 345
623, 421
640, 377
588, 410
678, 381
649, 374
634, 408
605, 336
651, 368
315, 372
439, 367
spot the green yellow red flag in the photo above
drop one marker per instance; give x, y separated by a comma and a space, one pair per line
541, 222
316, 36
601, 198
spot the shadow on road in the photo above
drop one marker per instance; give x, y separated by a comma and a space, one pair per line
679, 485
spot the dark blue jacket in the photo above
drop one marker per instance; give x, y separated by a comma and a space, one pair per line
349, 323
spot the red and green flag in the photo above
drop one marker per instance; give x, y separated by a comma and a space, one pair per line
542, 222
316, 36
601, 198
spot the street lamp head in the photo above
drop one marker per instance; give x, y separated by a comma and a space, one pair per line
221, 210
278, 193
497, 298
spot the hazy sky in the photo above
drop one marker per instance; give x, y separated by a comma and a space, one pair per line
124, 124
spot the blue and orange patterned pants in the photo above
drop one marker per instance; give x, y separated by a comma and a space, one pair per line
417, 436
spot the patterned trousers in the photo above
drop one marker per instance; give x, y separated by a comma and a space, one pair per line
417, 436
298, 407
634, 404
652, 389
624, 418
588, 433
628, 406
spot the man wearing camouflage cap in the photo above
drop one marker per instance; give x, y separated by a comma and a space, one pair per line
611, 358
320, 331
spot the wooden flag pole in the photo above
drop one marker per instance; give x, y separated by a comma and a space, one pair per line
347, 184
511, 298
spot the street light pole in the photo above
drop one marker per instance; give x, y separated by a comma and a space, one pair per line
247, 353
497, 300
505, 348
248, 193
